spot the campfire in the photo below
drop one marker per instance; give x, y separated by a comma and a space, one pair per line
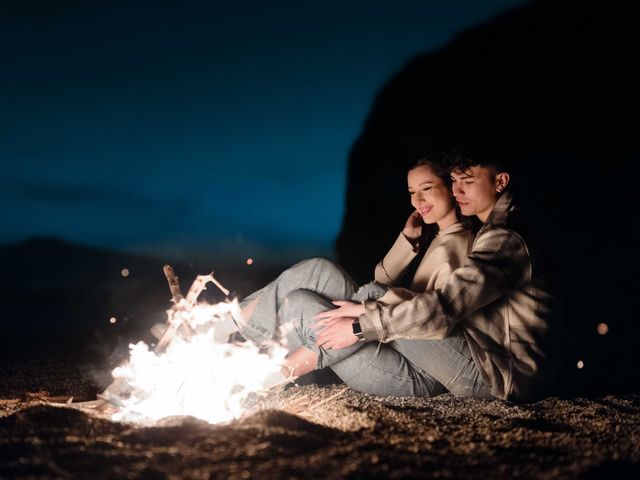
188, 372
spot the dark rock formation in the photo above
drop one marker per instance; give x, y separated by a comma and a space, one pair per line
552, 87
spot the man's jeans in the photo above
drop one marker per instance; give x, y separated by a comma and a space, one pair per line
286, 308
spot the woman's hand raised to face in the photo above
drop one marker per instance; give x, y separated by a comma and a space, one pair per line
413, 228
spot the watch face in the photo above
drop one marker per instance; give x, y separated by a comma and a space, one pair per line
357, 330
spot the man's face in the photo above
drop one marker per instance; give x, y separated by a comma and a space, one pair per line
476, 191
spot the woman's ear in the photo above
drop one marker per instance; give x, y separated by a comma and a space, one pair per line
502, 180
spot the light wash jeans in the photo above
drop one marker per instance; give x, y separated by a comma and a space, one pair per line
401, 367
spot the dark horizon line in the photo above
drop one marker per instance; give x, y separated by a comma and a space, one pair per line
265, 253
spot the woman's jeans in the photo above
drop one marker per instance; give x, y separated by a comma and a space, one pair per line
286, 308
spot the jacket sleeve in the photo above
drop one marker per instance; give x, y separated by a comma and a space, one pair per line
498, 262
448, 257
389, 270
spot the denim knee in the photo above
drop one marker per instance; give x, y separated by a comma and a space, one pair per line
299, 308
300, 298
318, 262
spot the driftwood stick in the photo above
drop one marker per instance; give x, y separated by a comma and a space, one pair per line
179, 306
174, 285
200, 284
93, 404
60, 399
219, 285
171, 331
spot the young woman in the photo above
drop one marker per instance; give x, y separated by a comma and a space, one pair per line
433, 236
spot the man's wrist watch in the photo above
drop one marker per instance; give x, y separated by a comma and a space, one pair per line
357, 330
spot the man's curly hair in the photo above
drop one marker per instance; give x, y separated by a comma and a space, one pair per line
464, 156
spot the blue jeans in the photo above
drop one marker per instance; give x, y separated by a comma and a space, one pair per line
401, 367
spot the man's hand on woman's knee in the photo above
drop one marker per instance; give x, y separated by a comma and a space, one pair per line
335, 327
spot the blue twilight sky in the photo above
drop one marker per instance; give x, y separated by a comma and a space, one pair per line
180, 126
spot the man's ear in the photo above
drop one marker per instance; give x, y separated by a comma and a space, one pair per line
502, 180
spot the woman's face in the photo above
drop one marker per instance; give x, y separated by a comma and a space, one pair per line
429, 195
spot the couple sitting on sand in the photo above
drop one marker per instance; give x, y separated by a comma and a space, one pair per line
476, 321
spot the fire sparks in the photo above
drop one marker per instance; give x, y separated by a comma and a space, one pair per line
192, 373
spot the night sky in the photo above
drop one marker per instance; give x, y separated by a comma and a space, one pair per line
175, 127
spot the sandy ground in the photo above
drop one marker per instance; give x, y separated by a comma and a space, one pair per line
316, 431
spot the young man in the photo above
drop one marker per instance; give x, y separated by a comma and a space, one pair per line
489, 329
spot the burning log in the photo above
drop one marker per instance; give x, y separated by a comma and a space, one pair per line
177, 317
178, 320
203, 280
174, 285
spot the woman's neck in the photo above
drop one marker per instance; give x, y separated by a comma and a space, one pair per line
448, 220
